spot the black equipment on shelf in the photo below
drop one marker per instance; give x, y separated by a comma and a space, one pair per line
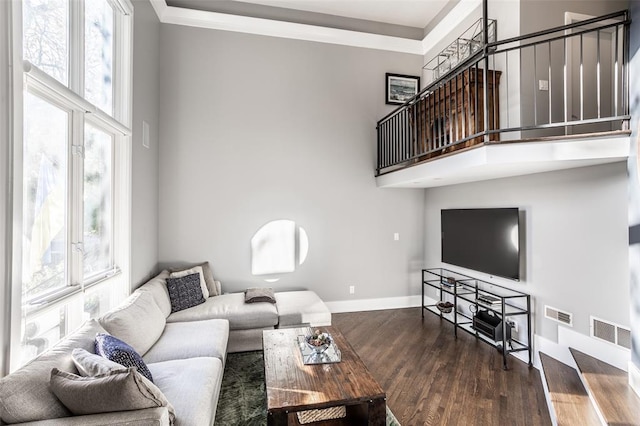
489, 324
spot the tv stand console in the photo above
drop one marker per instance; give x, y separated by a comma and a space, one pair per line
495, 314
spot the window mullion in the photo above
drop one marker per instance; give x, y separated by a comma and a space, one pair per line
76, 47
76, 222
15, 98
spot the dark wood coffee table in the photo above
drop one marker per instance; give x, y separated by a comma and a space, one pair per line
293, 386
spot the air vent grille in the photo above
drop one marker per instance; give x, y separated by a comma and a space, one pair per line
610, 332
558, 315
624, 338
604, 331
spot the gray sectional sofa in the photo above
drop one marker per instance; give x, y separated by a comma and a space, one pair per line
185, 352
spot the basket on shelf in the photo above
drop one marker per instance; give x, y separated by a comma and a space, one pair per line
445, 307
312, 416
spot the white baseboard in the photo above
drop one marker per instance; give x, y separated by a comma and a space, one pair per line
358, 305
634, 378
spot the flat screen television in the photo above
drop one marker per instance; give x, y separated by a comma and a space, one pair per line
485, 240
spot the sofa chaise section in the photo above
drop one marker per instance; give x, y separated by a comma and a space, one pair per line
192, 386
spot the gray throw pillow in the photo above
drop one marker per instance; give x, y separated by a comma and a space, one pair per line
253, 295
184, 292
89, 364
120, 390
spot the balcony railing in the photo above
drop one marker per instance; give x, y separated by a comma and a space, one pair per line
564, 82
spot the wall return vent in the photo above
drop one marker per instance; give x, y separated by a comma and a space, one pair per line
558, 315
611, 332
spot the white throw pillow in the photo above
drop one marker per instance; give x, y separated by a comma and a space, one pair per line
194, 270
89, 364
138, 321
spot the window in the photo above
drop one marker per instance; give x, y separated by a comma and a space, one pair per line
72, 174
98, 186
98, 48
45, 36
44, 212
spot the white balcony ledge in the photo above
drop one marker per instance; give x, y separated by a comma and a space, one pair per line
508, 159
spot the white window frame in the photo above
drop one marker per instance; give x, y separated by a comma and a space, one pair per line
5, 179
25, 76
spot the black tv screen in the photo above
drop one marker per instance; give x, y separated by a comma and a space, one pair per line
484, 240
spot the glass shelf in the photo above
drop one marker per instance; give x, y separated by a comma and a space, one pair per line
462, 289
465, 46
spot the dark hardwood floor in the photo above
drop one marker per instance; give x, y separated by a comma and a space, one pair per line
431, 378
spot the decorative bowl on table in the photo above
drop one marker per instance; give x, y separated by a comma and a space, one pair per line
318, 341
445, 307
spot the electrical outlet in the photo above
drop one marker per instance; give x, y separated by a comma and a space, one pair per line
352, 289
512, 324
396, 236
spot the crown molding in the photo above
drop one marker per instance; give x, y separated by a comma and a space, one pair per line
459, 13
267, 27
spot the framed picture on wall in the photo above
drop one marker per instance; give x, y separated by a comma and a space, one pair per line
400, 88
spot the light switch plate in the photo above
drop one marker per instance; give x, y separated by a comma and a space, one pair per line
145, 134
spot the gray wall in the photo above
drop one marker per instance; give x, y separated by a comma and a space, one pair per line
146, 88
258, 128
536, 15
575, 247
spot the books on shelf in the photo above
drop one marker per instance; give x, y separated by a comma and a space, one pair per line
488, 299
450, 282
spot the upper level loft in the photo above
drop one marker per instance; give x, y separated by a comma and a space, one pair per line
550, 100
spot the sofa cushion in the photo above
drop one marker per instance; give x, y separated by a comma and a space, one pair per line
157, 286
191, 339
147, 417
184, 292
118, 390
208, 277
118, 351
301, 308
192, 386
24, 394
90, 364
194, 270
138, 321
231, 307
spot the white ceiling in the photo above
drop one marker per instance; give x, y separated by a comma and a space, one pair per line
410, 13
370, 24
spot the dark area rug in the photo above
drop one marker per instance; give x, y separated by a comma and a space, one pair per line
243, 397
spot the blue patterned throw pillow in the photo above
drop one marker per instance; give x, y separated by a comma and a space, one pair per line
118, 351
184, 292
